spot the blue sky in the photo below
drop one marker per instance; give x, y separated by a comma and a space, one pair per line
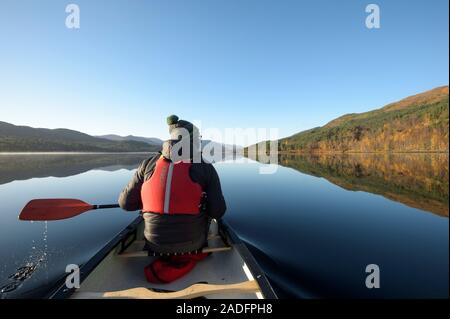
289, 64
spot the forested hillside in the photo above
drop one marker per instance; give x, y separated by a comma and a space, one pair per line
418, 123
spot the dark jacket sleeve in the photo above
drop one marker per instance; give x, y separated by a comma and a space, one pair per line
130, 197
215, 204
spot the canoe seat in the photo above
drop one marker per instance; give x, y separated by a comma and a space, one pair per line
137, 248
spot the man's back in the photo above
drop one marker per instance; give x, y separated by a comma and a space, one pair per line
178, 232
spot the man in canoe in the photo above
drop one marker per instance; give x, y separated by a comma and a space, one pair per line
177, 192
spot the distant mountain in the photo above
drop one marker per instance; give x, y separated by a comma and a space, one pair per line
216, 146
27, 139
419, 123
148, 140
155, 141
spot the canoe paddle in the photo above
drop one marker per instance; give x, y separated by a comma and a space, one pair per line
57, 209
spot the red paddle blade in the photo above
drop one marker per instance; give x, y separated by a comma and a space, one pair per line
53, 209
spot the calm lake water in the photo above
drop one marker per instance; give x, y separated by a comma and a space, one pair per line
313, 226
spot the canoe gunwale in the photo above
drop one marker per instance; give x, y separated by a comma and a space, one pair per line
231, 239
62, 292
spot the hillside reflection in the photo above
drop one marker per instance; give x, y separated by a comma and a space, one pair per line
23, 167
417, 180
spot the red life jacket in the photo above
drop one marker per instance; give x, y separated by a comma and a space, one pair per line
170, 190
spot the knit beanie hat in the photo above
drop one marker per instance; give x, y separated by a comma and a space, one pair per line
178, 128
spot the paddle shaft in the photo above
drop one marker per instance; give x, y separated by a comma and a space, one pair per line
105, 206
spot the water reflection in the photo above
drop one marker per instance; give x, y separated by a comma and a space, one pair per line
23, 167
417, 180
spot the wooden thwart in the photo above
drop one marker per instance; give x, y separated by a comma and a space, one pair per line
210, 237
194, 291
144, 253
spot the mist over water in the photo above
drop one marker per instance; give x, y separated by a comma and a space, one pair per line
313, 226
